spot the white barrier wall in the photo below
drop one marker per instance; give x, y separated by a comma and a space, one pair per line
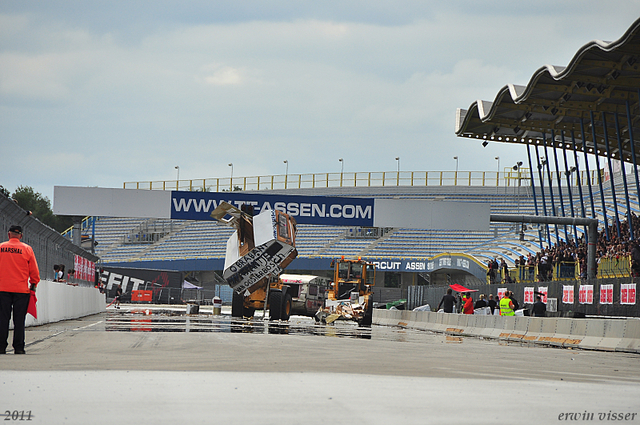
621, 334
59, 301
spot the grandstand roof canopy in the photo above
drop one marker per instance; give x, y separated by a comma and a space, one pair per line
602, 79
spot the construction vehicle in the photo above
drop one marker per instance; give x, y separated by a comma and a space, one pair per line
350, 296
257, 252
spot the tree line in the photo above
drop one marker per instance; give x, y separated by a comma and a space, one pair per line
40, 207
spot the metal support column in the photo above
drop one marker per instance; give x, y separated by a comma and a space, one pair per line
533, 190
578, 178
611, 178
624, 177
633, 149
544, 202
567, 173
559, 178
595, 151
586, 165
553, 203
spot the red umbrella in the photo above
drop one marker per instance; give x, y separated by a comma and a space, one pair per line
32, 305
460, 288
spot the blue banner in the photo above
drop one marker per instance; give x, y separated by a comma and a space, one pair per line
328, 211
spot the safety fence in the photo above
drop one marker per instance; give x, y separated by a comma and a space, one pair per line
592, 334
49, 246
604, 297
506, 178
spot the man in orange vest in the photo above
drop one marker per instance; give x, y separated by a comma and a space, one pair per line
18, 269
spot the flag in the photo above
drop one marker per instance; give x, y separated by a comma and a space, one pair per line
32, 305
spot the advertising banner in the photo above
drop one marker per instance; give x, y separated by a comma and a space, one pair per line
585, 295
84, 269
544, 290
528, 295
606, 294
501, 292
333, 211
567, 294
133, 279
628, 293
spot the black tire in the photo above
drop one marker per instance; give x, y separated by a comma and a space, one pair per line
285, 311
237, 305
275, 304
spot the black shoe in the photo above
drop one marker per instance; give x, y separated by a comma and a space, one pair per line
19, 352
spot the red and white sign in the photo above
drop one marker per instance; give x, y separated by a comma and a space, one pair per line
606, 294
85, 269
501, 292
528, 295
567, 294
543, 290
586, 294
628, 293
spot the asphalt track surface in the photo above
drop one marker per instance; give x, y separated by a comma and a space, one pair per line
142, 365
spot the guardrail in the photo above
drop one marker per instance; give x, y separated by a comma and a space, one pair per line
507, 178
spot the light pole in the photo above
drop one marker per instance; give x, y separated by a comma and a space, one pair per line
341, 170
177, 167
231, 179
286, 173
497, 158
398, 175
455, 179
517, 168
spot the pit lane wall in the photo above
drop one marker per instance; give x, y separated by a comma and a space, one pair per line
593, 333
59, 301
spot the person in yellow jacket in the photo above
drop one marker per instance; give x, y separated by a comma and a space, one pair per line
506, 306
18, 270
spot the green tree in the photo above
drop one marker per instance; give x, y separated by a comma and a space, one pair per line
40, 206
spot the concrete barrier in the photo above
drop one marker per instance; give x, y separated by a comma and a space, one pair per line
597, 334
631, 340
485, 325
534, 329
563, 332
520, 327
594, 334
498, 327
548, 330
440, 325
59, 301
613, 334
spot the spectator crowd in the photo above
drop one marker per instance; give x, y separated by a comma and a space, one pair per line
541, 265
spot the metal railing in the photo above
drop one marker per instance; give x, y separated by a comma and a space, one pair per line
507, 178
608, 267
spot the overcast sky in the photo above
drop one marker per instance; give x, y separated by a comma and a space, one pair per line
96, 93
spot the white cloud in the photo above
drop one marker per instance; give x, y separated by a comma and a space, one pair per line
308, 87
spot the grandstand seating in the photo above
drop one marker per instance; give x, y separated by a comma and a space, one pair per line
201, 239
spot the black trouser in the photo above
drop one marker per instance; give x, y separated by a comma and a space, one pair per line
19, 302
